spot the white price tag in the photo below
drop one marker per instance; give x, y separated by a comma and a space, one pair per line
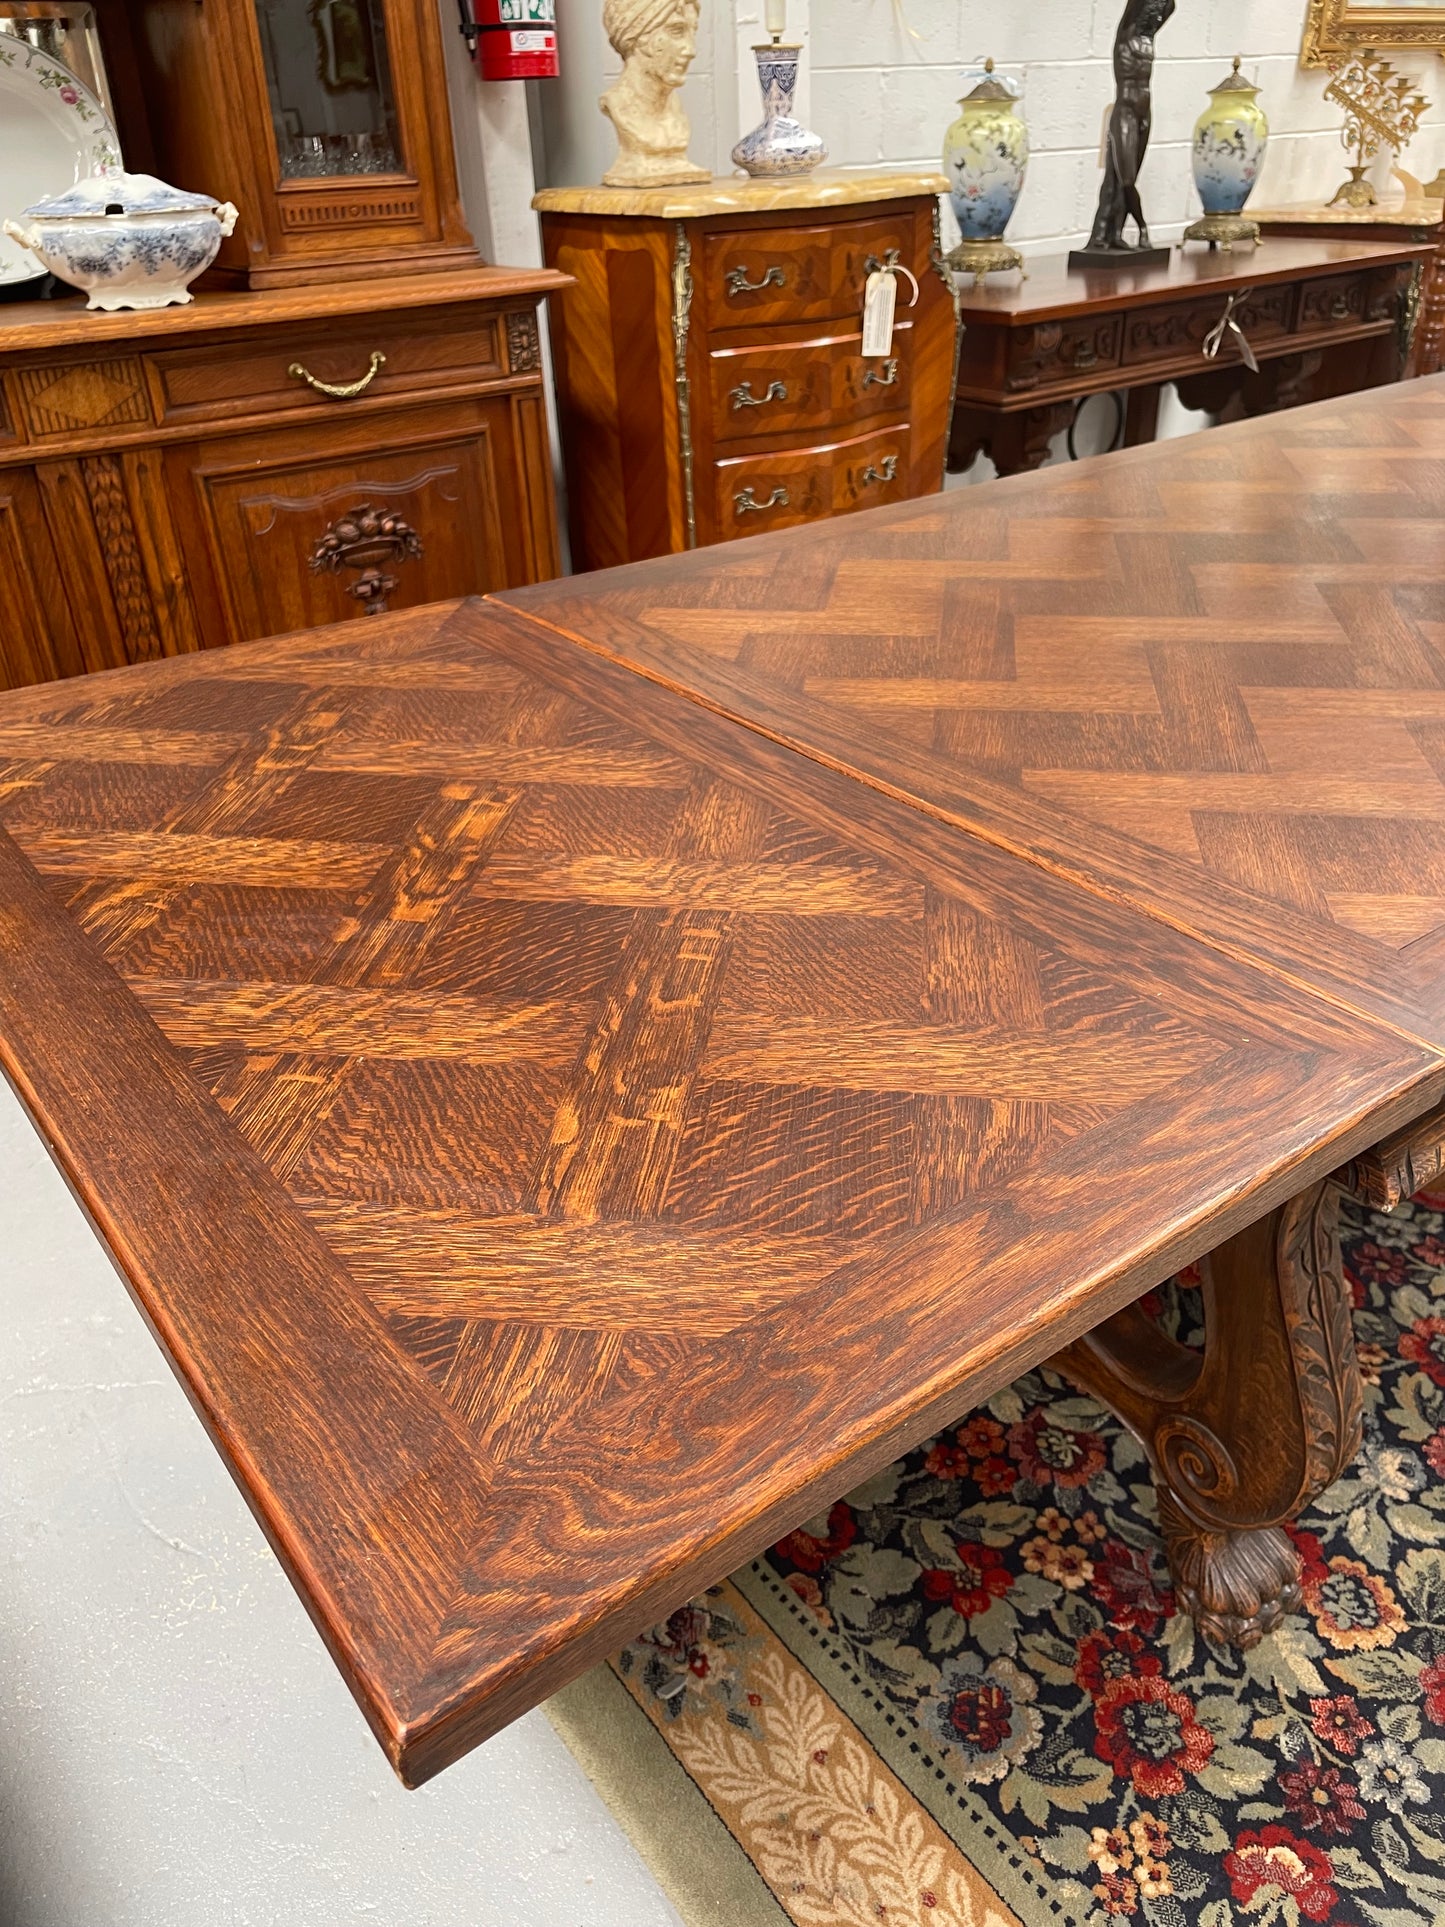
879, 296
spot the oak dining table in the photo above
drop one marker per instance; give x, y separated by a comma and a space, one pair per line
577, 1080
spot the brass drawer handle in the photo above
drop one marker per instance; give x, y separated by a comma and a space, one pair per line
1340, 307
342, 390
738, 282
745, 504
872, 265
743, 397
884, 376
886, 473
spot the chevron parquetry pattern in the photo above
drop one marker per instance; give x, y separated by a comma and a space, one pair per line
1227, 652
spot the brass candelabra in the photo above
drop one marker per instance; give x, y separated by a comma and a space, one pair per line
1380, 111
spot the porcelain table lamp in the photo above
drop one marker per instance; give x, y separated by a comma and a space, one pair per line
780, 145
985, 156
1229, 143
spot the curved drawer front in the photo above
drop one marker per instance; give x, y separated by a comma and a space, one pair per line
770, 388
797, 274
773, 491
418, 352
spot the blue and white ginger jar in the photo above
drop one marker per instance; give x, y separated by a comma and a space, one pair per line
780, 145
129, 240
986, 156
1230, 137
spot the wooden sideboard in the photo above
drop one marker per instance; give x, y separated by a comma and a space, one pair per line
710, 375
1416, 221
1032, 349
262, 462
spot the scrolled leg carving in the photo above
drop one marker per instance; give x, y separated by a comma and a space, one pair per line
1244, 1435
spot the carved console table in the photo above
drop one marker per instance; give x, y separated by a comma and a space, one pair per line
1033, 349
711, 380
260, 462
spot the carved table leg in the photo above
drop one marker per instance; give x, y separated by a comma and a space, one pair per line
1244, 1435
1281, 383
1021, 441
1430, 331
968, 435
1141, 414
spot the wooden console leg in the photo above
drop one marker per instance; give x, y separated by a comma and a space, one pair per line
1020, 442
1244, 1435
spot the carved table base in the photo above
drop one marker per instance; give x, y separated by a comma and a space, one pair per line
1244, 1434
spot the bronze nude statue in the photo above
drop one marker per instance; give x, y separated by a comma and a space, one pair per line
1128, 138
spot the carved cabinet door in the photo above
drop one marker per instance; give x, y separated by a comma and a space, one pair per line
38, 640
296, 529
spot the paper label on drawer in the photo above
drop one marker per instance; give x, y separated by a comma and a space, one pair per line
879, 295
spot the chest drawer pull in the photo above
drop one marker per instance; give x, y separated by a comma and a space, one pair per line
745, 504
738, 282
342, 390
884, 473
1340, 307
743, 397
884, 376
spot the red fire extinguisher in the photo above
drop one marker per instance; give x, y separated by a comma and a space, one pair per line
512, 39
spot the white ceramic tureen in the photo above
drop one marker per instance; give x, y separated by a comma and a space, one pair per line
127, 239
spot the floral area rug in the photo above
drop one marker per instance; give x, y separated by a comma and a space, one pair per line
964, 1698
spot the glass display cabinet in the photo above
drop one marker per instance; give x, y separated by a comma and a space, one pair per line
325, 121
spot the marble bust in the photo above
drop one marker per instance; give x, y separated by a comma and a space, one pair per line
657, 40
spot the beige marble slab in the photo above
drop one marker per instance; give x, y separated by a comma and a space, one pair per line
1383, 214
728, 194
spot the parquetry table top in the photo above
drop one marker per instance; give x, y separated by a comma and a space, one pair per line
561, 1137
1207, 676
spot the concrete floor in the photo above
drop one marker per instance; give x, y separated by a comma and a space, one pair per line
176, 1749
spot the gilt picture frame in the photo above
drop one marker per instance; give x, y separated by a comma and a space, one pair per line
1339, 28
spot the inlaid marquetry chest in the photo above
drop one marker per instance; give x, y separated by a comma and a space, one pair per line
266, 461
711, 379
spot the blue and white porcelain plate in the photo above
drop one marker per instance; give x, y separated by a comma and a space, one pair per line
53, 133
